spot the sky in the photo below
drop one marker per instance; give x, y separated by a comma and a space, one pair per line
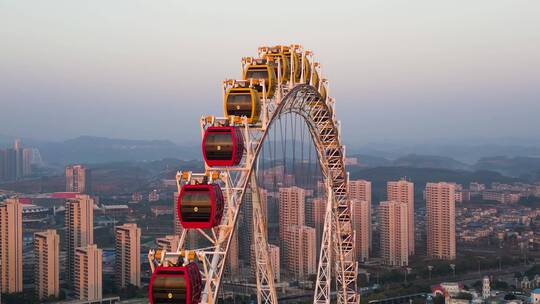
410, 70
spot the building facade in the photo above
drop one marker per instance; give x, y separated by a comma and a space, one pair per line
79, 228
441, 220
11, 245
360, 195
300, 257
318, 213
168, 243
78, 179
403, 191
292, 201
292, 213
274, 259
361, 211
15, 162
47, 265
128, 256
393, 226
88, 273
245, 223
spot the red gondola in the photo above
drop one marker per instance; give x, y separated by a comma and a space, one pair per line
200, 206
175, 285
223, 146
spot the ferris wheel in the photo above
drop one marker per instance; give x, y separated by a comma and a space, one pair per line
281, 80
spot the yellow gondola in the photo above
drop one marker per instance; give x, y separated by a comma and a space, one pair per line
307, 70
294, 62
276, 54
315, 79
262, 69
243, 101
322, 91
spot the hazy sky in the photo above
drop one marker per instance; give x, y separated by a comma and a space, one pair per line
149, 69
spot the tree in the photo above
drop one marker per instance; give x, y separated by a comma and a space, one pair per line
439, 299
20, 297
500, 285
464, 296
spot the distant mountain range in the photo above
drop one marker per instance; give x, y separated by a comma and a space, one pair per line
465, 152
525, 167
89, 149
516, 161
414, 161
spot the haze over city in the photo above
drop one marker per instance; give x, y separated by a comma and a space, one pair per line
299, 152
400, 70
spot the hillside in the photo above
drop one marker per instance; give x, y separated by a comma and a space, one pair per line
528, 167
429, 161
88, 149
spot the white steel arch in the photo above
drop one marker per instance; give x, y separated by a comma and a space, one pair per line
337, 246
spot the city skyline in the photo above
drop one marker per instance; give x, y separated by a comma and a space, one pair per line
391, 223
351, 152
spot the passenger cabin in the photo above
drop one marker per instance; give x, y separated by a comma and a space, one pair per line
276, 54
200, 206
265, 70
180, 284
223, 146
243, 101
294, 62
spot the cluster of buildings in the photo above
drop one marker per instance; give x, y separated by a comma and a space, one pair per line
83, 267
82, 270
396, 221
498, 222
15, 162
458, 293
301, 218
153, 196
455, 292
499, 192
78, 179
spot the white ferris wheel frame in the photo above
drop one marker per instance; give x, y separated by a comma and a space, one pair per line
338, 241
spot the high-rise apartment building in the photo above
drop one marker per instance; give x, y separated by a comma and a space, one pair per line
11, 164
15, 162
153, 196
292, 202
78, 179
300, 255
168, 243
79, 228
3, 165
360, 190
245, 224
274, 259
27, 161
361, 221
441, 220
291, 213
47, 265
318, 213
403, 191
393, 226
273, 255
128, 256
88, 273
11, 245
360, 195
